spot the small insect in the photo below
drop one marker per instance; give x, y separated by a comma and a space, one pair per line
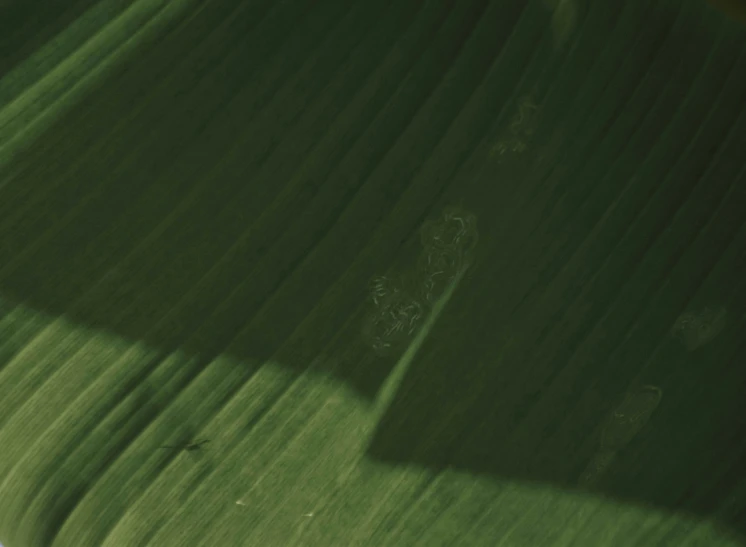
189, 446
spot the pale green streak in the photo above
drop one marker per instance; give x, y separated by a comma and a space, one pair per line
31, 113
393, 381
54, 52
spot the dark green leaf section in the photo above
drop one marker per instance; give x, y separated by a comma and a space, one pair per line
224, 225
